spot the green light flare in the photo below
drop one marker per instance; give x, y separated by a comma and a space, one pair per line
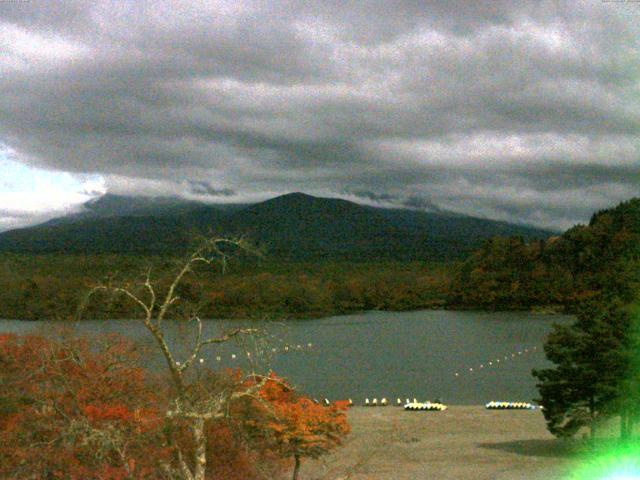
621, 462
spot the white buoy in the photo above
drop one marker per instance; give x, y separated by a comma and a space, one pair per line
366, 402
350, 403
233, 355
398, 402
375, 402
327, 402
383, 402
201, 360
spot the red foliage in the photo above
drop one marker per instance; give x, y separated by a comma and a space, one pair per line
66, 409
74, 410
298, 426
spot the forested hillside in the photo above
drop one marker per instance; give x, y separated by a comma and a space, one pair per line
561, 271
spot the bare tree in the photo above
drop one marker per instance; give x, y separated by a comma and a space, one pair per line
192, 403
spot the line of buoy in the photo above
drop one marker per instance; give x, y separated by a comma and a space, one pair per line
496, 361
285, 349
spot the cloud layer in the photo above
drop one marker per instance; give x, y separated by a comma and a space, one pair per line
528, 112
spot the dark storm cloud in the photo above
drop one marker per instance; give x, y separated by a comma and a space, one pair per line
523, 111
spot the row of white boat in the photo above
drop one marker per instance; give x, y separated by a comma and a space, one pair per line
509, 406
436, 405
399, 403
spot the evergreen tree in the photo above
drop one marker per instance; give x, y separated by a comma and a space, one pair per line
592, 361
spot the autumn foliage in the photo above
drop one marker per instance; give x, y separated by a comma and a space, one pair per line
70, 411
73, 409
296, 426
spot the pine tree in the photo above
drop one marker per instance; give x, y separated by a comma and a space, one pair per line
592, 361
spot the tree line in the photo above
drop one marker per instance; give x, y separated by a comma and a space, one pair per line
52, 286
594, 261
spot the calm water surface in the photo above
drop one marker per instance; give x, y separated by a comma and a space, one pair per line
378, 354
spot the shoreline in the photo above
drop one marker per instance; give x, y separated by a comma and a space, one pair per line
550, 310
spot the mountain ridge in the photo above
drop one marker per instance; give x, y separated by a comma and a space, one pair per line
295, 225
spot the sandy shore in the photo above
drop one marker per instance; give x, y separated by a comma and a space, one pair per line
464, 442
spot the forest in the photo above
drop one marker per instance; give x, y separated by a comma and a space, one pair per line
562, 272
54, 286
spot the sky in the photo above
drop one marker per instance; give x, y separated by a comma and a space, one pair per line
527, 112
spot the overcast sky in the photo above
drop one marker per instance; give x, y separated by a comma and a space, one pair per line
527, 112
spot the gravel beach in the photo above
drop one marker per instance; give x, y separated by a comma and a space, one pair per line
463, 442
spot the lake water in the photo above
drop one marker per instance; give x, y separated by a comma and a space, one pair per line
422, 354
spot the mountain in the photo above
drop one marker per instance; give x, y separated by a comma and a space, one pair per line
292, 226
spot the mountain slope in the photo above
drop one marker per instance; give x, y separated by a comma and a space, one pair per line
294, 226
598, 260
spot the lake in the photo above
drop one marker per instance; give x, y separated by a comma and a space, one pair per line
459, 357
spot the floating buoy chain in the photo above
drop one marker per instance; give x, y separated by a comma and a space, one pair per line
285, 349
496, 362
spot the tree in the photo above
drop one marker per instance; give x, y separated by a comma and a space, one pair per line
299, 427
195, 402
592, 364
74, 410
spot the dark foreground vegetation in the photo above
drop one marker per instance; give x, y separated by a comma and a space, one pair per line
77, 410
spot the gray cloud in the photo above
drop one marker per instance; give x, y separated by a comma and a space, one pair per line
522, 111
200, 187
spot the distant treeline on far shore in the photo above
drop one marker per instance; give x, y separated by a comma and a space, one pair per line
53, 286
505, 273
